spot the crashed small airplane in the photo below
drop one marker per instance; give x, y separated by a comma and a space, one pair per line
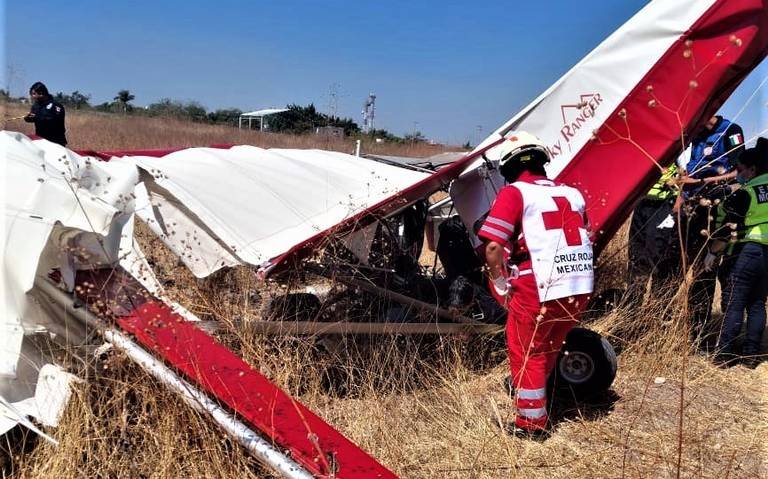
71, 264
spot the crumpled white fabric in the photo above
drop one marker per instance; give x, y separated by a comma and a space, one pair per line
61, 210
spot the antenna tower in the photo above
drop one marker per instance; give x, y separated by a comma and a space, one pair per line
369, 113
333, 99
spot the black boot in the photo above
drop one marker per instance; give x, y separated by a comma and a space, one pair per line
724, 360
751, 361
538, 435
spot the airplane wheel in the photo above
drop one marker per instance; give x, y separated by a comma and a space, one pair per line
586, 365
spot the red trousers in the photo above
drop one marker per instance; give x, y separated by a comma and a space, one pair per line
535, 334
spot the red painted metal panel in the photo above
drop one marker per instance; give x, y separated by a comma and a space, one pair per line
311, 441
116, 297
648, 129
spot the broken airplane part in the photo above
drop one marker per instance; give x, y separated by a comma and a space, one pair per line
612, 123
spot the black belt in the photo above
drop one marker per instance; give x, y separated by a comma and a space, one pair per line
658, 201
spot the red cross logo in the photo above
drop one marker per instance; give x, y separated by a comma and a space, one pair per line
564, 219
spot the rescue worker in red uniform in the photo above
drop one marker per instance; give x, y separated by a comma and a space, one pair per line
539, 258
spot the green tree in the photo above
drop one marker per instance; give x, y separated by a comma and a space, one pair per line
106, 107
350, 127
76, 100
226, 116
123, 98
176, 109
304, 119
415, 137
195, 111
385, 135
79, 100
166, 108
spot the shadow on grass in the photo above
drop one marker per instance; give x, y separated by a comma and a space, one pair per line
14, 446
566, 406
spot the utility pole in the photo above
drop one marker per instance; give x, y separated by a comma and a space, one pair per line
11, 73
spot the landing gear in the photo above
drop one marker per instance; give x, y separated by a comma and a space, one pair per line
586, 365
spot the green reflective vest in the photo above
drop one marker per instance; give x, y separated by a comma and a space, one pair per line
660, 190
756, 220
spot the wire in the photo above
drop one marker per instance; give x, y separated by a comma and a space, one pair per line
736, 117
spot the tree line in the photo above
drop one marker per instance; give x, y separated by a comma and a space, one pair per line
296, 120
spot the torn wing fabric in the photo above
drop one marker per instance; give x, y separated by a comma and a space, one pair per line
52, 393
220, 207
181, 230
45, 186
61, 210
10, 415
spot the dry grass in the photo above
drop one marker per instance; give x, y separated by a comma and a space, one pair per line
422, 409
105, 131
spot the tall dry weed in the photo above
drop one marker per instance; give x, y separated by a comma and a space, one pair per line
422, 406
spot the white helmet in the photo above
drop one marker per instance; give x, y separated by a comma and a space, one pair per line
521, 146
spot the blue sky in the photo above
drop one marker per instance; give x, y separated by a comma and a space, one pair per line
444, 67
749, 103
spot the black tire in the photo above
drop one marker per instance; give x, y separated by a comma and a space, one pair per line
293, 307
586, 365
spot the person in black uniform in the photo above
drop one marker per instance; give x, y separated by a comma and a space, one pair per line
46, 114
